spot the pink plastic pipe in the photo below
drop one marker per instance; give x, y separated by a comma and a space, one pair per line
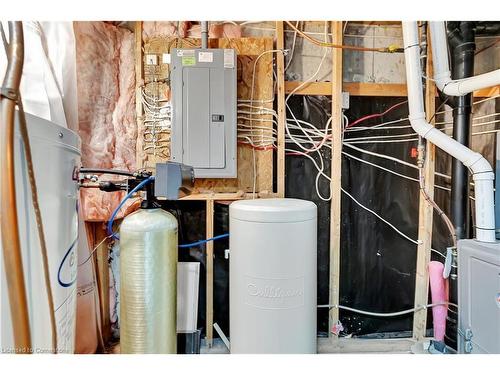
439, 293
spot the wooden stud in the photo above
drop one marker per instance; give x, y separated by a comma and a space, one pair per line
102, 279
139, 75
228, 196
368, 89
353, 88
487, 92
359, 345
336, 166
280, 60
210, 272
425, 216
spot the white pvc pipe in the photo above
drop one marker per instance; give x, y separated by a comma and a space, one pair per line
442, 74
482, 172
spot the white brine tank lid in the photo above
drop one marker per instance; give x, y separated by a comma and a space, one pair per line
273, 210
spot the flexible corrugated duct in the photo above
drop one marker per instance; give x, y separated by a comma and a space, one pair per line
482, 172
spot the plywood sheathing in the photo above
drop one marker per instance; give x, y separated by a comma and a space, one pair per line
156, 84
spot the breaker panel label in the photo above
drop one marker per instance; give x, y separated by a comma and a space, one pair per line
206, 57
185, 52
188, 61
228, 58
274, 294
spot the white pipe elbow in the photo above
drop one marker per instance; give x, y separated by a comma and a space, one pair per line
420, 124
442, 74
480, 167
467, 85
482, 174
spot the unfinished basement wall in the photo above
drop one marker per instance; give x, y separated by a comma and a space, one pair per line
106, 107
357, 66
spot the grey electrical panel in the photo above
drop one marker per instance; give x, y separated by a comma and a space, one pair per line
203, 83
478, 297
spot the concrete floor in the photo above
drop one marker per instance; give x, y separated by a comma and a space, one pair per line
341, 345
333, 345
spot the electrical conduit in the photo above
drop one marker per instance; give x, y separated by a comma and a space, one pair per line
482, 172
204, 34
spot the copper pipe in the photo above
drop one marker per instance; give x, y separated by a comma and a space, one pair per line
39, 222
11, 244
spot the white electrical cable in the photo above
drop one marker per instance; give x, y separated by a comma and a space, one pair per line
390, 170
381, 126
381, 141
293, 47
254, 187
383, 156
381, 218
475, 103
318, 175
391, 158
380, 167
381, 137
487, 132
473, 124
391, 314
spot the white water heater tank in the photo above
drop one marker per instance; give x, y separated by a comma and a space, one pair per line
56, 153
273, 276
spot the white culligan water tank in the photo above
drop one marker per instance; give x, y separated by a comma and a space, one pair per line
56, 154
273, 276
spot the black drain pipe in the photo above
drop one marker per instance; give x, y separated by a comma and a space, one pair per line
461, 39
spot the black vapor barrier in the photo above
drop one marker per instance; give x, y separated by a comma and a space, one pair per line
378, 259
377, 263
300, 182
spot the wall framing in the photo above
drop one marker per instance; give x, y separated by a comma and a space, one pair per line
334, 89
425, 213
336, 168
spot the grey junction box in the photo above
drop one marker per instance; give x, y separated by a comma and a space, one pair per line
203, 83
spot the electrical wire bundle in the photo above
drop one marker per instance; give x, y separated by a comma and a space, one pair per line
157, 123
256, 126
310, 140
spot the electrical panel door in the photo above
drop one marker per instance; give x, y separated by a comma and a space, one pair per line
203, 83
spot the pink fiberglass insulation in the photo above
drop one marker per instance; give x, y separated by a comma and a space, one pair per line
155, 29
217, 30
439, 294
188, 29
124, 123
106, 107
